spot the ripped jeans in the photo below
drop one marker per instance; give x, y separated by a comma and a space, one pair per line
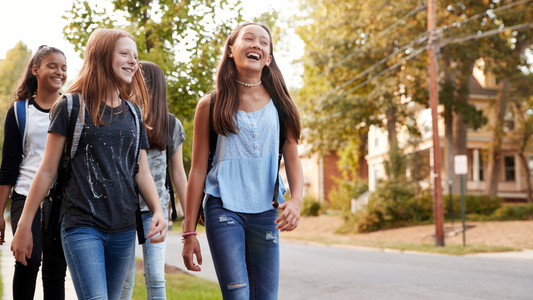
245, 251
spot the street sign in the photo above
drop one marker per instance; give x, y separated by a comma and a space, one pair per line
461, 165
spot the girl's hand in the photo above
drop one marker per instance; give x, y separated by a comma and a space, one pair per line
190, 248
290, 216
22, 245
158, 225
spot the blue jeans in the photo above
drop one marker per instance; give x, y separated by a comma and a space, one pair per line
97, 261
154, 266
245, 251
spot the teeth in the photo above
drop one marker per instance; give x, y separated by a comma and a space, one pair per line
253, 55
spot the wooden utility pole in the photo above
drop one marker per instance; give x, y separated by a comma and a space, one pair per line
434, 100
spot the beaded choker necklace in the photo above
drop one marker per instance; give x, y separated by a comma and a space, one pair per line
248, 84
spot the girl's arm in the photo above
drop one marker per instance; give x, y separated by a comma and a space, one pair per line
195, 187
148, 192
22, 244
290, 217
179, 178
4, 195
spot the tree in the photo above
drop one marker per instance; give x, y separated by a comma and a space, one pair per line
162, 28
505, 57
344, 40
522, 134
11, 69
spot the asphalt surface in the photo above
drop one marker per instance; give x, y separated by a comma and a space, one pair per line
318, 272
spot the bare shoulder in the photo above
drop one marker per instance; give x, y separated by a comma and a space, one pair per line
204, 103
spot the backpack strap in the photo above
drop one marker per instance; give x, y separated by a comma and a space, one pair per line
64, 168
79, 122
168, 180
281, 117
138, 217
213, 136
21, 115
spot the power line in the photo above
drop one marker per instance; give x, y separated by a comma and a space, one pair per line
485, 34
421, 38
417, 52
363, 47
477, 16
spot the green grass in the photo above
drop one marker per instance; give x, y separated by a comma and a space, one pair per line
181, 286
451, 249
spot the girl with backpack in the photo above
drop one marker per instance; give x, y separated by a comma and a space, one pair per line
241, 220
25, 131
100, 199
165, 139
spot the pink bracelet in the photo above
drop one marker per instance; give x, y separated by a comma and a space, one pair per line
188, 233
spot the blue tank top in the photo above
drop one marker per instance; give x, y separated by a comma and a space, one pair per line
246, 164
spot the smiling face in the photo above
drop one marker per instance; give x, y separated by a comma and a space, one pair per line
52, 72
251, 49
125, 59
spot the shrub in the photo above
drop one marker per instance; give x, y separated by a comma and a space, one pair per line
310, 206
474, 205
506, 213
341, 195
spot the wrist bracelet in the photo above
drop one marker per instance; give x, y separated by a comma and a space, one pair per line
188, 233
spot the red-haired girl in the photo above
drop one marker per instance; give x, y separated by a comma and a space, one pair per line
99, 201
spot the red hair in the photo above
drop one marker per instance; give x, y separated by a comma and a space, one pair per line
97, 81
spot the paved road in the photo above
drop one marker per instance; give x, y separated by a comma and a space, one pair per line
317, 272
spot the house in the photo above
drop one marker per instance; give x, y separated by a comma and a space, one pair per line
320, 172
483, 89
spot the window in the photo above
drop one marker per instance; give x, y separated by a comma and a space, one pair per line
509, 168
531, 166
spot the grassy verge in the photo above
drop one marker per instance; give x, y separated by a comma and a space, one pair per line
181, 286
451, 249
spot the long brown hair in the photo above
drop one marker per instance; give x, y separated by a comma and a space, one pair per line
27, 86
227, 99
96, 76
158, 116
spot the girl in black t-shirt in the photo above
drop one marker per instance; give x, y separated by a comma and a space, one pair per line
21, 156
98, 221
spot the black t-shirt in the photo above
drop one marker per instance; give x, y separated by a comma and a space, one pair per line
100, 192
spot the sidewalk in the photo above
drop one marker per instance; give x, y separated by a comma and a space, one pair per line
7, 263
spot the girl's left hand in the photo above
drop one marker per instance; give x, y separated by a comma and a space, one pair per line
158, 225
290, 216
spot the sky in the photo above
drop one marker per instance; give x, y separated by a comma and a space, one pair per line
39, 22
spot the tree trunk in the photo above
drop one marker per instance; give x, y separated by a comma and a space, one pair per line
392, 138
362, 154
494, 163
525, 164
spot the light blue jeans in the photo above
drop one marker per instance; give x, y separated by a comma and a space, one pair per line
97, 261
245, 251
154, 266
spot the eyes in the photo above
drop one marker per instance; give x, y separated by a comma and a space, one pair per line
53, 67
126, 54
262, 42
